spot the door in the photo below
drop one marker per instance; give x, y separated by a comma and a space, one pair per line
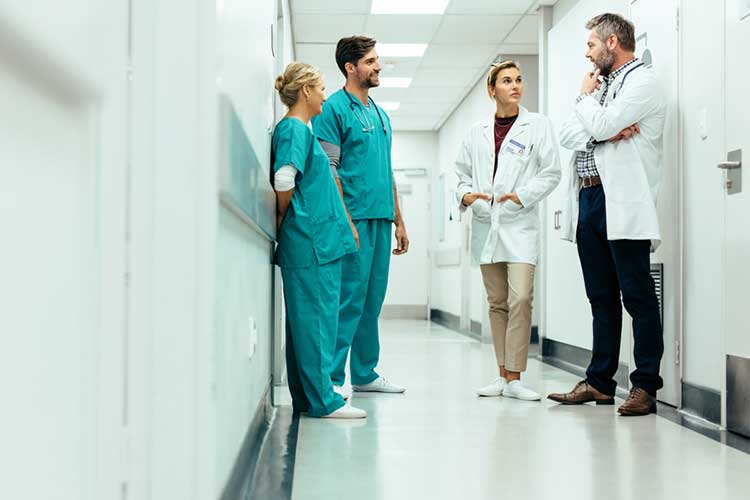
736, 210
63, 157
657, 44
409, 276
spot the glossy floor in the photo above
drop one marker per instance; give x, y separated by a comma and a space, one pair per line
440, 441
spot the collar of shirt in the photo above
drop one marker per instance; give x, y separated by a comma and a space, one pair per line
620, 70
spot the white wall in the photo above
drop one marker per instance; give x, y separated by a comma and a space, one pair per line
476, 106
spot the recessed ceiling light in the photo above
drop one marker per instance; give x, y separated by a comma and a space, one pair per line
395, 82
389, 105
408, 6
401, 49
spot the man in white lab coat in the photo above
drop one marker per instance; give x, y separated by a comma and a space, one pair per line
614, 175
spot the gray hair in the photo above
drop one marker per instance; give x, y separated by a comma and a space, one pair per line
614, 24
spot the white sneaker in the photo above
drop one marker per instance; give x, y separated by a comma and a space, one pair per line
494, 388
380, 384
341, 391
515, 389
347, 411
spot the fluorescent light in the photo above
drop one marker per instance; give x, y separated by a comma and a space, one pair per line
408, 6
395, 82
389, 105
401, 49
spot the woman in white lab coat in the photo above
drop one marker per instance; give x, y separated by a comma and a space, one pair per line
506, 166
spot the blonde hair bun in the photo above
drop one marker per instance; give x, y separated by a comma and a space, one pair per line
296, 75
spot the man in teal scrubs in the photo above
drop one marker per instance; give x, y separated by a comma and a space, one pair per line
356, 134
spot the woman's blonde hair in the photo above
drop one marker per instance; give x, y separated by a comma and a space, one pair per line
495, 70
296, 75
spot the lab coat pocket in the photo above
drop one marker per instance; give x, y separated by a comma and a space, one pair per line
481, 210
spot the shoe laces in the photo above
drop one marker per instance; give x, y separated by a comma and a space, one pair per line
635, 393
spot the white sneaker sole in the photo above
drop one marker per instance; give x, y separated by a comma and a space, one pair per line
522, 398
487, 394
384, 391
347, 413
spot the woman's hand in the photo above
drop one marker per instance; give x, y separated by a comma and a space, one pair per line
470, 198
512, 197
355, 233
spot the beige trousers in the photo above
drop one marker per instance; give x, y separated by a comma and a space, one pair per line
510, 293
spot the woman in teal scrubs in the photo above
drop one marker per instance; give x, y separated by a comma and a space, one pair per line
314, 233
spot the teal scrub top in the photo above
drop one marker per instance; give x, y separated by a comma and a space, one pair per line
315, 229
365, 164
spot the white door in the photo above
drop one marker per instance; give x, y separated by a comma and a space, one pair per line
737, 205
409, 275
62, 168
657, 44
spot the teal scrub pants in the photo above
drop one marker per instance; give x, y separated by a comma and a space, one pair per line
312, 298
363, 285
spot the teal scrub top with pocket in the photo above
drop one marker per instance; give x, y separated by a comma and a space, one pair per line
365, 164
315, 229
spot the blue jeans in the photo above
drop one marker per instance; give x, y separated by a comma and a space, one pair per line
611, 268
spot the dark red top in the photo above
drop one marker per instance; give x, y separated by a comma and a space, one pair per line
502, 127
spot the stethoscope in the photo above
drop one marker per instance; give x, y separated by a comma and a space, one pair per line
362, 117
622, 82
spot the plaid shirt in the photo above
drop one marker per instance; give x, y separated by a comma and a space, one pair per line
585, 161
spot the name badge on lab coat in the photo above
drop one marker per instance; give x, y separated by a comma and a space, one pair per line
515, 147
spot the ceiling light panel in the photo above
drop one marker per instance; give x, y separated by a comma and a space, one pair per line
408, 6
396, 82
401, 49
389, 105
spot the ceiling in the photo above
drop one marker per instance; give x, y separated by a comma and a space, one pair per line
463, 42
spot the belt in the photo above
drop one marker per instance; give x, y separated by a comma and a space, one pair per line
587, 182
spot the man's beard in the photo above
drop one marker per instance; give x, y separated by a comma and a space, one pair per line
605, 63
368, 82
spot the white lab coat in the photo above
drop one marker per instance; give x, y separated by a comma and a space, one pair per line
630, 170
508, 232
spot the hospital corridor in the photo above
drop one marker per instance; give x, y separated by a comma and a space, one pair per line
375, 250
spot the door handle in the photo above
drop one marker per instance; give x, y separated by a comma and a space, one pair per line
557, 219
729, 165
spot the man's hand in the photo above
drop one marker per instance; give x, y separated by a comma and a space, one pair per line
470, 198
355, 233
402, 240
510, 196
626, 133
591, 82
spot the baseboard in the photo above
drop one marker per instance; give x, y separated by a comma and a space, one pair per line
575, 360
701, 402
398, 311
453, 322
241, 479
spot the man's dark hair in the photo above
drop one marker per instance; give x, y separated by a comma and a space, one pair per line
614, 24
352, 49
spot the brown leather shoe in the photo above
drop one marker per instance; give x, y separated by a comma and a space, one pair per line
582, 393
639, 403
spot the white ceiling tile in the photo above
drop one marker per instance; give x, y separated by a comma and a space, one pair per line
320, 28
445, 77
474, 29
527, 31
508, 50
328, 6
416, 123
319, 54
458, 57
402, 28
489, 6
